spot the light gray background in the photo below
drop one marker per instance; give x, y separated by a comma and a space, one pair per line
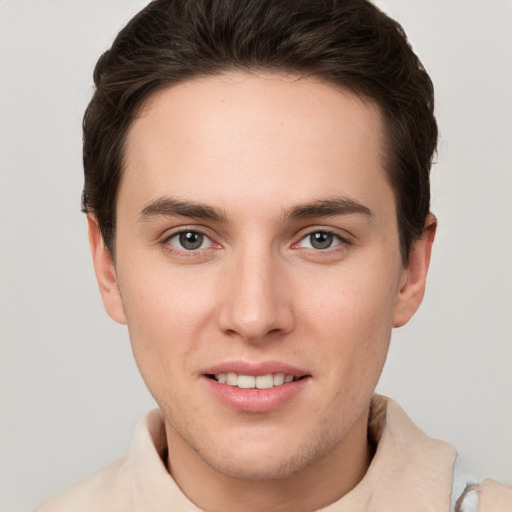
70, 395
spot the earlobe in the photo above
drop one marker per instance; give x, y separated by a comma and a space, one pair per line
415, 274
105, 272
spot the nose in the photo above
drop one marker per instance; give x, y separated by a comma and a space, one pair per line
256, 305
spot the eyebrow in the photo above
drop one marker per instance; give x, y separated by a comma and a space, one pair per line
327, 208
169, 207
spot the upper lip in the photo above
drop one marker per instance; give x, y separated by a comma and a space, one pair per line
255, 369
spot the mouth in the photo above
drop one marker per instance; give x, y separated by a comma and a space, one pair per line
256, 388
267, 381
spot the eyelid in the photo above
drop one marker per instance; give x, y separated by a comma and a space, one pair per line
174, 232
337, 241
175, 241
343, 236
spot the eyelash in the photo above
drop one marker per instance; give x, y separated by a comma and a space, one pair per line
342, 242
166, 242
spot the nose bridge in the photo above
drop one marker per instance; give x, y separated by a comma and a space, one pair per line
255, 304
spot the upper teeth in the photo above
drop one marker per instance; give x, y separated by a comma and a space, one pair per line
250, 381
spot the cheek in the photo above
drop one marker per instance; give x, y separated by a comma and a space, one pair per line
166, 310
360, 298
351, 316
166, 319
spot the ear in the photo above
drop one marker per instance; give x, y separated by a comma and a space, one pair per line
105, 272
415, 274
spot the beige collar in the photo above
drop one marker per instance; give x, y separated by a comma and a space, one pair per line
409, 471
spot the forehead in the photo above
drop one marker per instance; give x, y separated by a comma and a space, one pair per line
253, 137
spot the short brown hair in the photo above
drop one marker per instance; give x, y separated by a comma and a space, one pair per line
349, 43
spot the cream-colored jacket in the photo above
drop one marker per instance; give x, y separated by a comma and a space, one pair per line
410, 472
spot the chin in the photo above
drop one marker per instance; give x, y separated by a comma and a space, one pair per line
268, 462
254, 469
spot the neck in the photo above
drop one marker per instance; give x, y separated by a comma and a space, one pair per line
315, 486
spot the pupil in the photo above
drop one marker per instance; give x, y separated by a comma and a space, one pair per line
191, 240
321, 240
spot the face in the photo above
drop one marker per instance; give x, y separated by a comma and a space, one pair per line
258, 267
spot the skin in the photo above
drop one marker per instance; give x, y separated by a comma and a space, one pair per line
255, 149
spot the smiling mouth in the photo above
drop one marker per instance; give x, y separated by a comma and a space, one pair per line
266, 381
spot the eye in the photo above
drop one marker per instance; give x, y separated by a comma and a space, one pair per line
189, 240
320, 240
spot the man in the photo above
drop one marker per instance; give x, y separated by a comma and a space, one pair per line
257, 192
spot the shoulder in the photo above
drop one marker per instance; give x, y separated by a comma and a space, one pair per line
487, 496
115, 487
107, 490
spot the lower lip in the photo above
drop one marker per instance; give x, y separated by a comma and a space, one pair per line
256, 400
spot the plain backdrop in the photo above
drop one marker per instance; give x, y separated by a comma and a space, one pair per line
70, 394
